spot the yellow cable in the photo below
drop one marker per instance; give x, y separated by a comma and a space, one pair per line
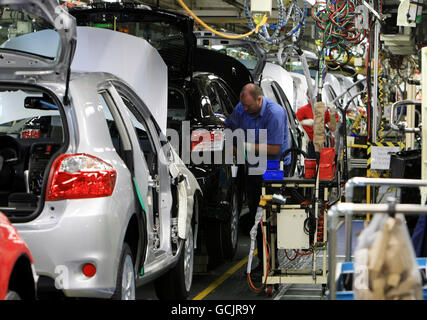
259, 25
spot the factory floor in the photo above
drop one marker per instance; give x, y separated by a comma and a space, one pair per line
229, 281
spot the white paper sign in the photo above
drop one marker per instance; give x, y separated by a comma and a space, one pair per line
380, 157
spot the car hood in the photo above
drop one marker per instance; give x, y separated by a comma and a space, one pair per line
140, 65
176, 48
233, 72
209, 40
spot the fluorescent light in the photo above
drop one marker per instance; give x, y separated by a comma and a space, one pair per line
312, 2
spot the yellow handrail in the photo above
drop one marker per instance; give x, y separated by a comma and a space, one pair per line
259, 25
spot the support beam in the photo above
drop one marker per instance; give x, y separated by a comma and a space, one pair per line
234, 3
423, 190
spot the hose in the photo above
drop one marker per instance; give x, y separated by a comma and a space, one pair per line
232, 37
299, 17
253, 234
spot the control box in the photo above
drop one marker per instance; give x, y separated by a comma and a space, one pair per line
261, 6
290, 229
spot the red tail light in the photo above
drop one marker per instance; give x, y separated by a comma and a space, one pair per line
203, 140
80, 176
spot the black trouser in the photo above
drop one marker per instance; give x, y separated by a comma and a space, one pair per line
311, 150
253, 190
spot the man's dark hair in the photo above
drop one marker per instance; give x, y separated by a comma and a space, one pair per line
251, 88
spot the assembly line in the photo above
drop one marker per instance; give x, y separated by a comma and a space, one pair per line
212, 150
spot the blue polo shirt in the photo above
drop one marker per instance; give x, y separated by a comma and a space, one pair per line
271, 117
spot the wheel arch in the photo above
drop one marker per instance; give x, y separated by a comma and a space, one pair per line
22, 280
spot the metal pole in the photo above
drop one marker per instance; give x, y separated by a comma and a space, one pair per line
375, 93
424, 120
410, 118
348, 237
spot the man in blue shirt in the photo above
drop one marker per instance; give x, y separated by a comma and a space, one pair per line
253, 113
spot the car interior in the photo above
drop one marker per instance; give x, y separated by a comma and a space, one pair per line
31, 132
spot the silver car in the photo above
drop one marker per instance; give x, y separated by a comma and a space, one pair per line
86, 174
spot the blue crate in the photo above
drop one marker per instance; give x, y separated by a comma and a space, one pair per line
273, 175
273, 164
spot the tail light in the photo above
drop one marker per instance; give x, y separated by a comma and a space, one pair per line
203, 140
80, 176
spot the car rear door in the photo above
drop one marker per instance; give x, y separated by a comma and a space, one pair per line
41, 45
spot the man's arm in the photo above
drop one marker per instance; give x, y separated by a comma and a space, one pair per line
275, 135
270, 149
233, 122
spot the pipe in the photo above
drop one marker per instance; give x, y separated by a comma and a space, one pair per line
395, 127
348, 91
363, 182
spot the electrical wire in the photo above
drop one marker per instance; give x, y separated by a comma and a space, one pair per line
254, 29
336, 20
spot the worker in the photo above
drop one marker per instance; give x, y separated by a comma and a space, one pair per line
306, 118
254, 111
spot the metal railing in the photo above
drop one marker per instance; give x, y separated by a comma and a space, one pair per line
348, 210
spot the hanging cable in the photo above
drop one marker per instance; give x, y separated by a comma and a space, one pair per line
200, 21
336, 20
294, 10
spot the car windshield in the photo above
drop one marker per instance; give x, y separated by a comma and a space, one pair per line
296, 66
25, 32
245, 55
158, 34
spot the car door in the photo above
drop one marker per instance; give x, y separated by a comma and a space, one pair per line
154, 174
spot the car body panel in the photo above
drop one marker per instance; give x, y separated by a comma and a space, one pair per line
111, 44
12, 247
282, 77
300, 90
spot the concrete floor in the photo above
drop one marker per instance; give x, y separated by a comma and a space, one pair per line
229, 281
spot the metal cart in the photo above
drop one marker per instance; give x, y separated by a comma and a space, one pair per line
283, 227
347, 210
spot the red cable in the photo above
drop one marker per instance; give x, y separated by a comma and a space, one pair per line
303, 254
268, 264
290, 259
